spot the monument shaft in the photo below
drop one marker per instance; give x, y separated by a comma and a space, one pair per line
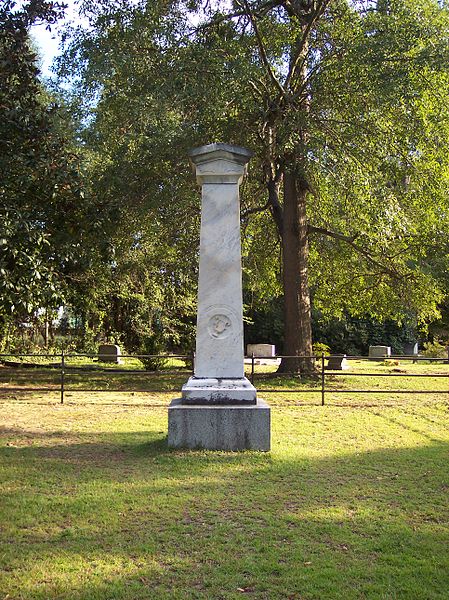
219, 338
219, 360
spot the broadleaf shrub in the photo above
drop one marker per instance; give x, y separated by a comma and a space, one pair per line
435, 349
320, 348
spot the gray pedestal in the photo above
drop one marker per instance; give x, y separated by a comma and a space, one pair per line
215, 427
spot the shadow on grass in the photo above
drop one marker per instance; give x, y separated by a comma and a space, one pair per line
406, 425
121, 516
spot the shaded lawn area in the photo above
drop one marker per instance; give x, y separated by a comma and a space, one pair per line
89, 377
351, 503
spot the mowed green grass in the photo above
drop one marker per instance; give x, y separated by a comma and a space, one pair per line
352, 502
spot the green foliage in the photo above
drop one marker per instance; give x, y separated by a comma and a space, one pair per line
320, 348
265, 323
363, 120
146, 288
353, 336
48, 225
154, 347
435, 349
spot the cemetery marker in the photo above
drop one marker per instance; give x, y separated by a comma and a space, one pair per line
219, 408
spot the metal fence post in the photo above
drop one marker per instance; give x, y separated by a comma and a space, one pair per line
447, 361
62, 376
252, 368
322, 379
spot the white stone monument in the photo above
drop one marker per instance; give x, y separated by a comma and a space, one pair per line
261, 350
219, 408
379, 352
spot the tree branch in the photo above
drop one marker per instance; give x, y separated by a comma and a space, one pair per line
350, 240
299, 60
255, 89
263, 54
262, 10
256, 209
274, 205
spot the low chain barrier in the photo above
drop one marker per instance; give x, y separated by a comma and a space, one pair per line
321, 373
64, 368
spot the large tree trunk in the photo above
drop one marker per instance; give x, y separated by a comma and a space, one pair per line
295, 255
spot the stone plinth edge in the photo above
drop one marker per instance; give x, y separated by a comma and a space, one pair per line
231, 428
209, 390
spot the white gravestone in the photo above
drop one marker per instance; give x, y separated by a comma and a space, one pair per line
379, 351
219, 408
261, 350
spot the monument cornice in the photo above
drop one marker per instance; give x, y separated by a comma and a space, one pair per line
220, 163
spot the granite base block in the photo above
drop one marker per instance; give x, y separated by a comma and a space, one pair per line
232, 427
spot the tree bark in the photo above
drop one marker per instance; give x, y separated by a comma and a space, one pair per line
295, 255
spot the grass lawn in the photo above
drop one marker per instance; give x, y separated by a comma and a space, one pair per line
351, 503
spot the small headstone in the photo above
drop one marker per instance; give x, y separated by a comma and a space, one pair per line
410, 348
261, 350
337, 362
379, 352
109, 353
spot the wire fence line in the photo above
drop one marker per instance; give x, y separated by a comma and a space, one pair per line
319, 379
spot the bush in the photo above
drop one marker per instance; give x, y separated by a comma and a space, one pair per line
318, 348
435, 349
188, 362
154, 348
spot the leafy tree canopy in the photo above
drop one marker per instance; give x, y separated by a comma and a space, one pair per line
347, 100
46, 221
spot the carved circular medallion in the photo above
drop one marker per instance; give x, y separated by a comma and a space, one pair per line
220, 326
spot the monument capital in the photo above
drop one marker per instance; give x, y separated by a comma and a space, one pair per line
219, 163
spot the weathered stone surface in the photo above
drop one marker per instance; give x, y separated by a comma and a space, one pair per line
216, 427
219, 334
379, 351
261, 350
109, 353
337, 362
218, 391
219, 409
411, 348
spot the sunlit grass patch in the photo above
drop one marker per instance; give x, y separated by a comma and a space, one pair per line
350, 503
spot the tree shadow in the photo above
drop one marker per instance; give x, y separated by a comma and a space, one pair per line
407, 426
188, 524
